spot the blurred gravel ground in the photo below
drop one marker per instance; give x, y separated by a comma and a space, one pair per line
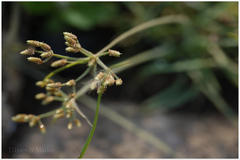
189, 135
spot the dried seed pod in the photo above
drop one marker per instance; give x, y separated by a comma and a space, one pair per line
72, 95
28, 117
20, 118
114, 53
29, 51
69, 114
49, 81
109, 81
54, 85
70, 125
58, 115
93, 85
68, 44
71, 49
35, 60
34, 43
59, 63
42, 128
70, 40
47, 54
44, 46
77, 122
70, 83
58, 111
40, 96
101, 89
99, 76
69, 104
48, 100
67, 34
34, 121
119, 82
51, 89
41, 84
57, 93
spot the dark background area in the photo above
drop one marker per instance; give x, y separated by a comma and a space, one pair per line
179, 97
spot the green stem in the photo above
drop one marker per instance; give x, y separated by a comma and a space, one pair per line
143, 26
93, 127
82, 61
86, 52
48, 114
64, 57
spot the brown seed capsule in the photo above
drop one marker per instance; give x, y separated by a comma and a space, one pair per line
119, 82
59, 63
29, 51
93, 85
59, 111
70, 40
77, 122
109, 81
42, 128
40, 96
101, 89
34, 43
69, 104
28, 117
48, 81
41, 84
70, 83
57, 93
35, 60
48, 100
51, 89
114, 53
34, 121
67, 44
54, 85
47, 54
69, 114
70, 125
99, 76
19, 118
70, 49
70, 35
44, 46
72, 95
58, 115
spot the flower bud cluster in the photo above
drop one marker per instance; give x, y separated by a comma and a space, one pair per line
31, 50
71, 42
31, 119
103, 80
114, 53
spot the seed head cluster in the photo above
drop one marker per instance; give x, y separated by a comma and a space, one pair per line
66, 92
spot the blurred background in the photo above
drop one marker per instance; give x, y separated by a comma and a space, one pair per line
183, 104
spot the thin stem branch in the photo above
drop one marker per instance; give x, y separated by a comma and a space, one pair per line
50, 113
86, 52
81, 61
93, 127
64, 57
141, 27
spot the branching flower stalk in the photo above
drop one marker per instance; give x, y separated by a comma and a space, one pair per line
68, 92
55, 90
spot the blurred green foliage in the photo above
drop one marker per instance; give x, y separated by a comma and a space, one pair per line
206, 45
83, 16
